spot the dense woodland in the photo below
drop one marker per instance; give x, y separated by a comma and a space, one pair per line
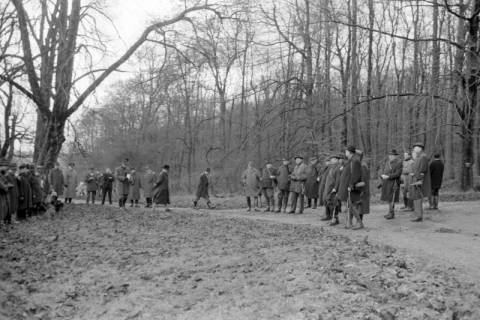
224, 83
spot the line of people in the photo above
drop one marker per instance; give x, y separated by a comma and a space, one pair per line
344, 181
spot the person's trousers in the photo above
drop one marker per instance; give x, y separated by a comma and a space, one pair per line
418, 207
149, 202
391, 207
22, 214
249, 202
132, 202
312, 203
106, 192
91, 195
283, 199
295, 197
68, 200
122, 200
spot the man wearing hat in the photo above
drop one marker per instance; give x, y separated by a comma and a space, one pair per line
5, 188
390, 182
25, 199
332, 180
12, 179
420, 184
56, 179
202, 189
406, 180
283, 184
161, 190
251, 185
92, 185
297, 184
312, 183
268, 181
349, 189
123, 184
71, 182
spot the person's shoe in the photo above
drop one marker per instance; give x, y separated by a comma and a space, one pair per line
267, 209
278, 211
291, 212
168, 210
300, 212
358, 226
418, 219
249, 209
334, 223
325, 219
389, 216
195, 205
407, 209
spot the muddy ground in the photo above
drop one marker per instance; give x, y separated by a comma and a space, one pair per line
95, 262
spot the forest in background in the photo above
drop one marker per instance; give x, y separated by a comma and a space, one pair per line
264, 80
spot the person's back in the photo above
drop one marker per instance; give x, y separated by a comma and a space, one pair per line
436, 176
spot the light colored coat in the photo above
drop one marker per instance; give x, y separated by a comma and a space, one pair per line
71, 182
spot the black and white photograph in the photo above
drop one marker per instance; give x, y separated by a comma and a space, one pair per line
240, 159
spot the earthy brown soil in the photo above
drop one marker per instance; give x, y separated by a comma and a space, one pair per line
105, 263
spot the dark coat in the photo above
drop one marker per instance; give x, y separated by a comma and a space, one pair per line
321, 187
91, 182
123, 184
393, 169
298, 178
14, 193
350, 176
365, 196
283, 178
161, 194
202, 189
57, 181
312, 183
25, 198
332, 180
107, 181
267, 182
420, 186
37, 194
436, 173
5, 187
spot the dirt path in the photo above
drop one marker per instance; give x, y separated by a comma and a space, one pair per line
450, 236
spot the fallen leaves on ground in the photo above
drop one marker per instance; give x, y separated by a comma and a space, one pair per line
92, 262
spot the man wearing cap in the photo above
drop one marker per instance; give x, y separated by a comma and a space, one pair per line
92, 185
202, 190
14, 193
297, 185
332, 180
56, 180
420, 186
5, 187
251, 185
24, 193
71, 182
436, 176
107, 185
349, 190
268, 182
123, 183
283, 185
161, 191
390, 182
406, 180
312, 183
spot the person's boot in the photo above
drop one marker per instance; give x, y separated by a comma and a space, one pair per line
249, 204
120, 203
328, 215
256, 204
359, 225
267, 209
435, 202
314, 204
272, 203
279, 205
431, 205
335, 221
389, 216
210, 205
301, 204
418, 211
293, 207
195, 203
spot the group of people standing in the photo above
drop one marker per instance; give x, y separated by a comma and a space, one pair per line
344, 181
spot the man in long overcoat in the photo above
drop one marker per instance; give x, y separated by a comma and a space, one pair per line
161, 191
25, 201
268, 181
14, 193
406, 180
107, 185
251, 185
91, 181
312, 183
149, 183
56, 180
5, 187
390, 182
436, 176
134, 189
71, 182
37, 195
332, 180
420, 186
297, 184
202, 189
123, 183
365, 195
349, 190
283, 185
